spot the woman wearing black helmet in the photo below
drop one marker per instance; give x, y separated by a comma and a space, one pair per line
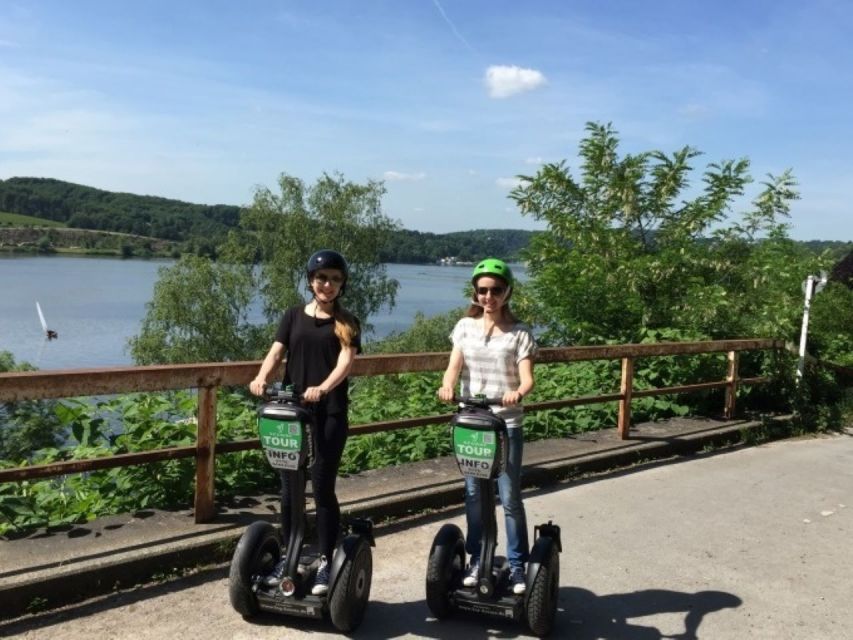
494, 353
320, 340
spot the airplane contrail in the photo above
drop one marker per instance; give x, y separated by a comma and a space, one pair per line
453, 27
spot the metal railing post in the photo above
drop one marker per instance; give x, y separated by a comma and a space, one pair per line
625, 390
731, 385
205, 455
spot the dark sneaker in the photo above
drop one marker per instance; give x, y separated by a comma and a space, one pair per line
517, 580
472, 575
321, 582
274, 578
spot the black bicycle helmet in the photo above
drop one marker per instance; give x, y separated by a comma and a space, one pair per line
327, 259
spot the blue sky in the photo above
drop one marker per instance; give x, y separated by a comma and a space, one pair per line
446, 101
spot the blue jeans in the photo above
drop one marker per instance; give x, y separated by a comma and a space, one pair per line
509, 489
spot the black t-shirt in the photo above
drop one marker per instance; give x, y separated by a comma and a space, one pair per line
312, 351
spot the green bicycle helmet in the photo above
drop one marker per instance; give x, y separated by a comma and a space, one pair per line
493, 267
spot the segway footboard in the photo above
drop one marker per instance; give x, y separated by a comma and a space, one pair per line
274, 601
508, 607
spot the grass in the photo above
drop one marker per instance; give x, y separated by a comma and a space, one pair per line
18, 220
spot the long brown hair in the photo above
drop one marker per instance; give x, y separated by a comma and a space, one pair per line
346, 325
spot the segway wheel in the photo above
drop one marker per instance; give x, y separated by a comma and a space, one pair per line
541, 603
348, 599
257, 552
444, 569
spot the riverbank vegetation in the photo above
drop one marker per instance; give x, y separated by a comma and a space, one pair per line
626, 257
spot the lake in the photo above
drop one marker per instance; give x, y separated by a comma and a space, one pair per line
95, 304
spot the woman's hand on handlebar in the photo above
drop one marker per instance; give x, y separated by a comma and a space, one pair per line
313, 394
511, 398
257, 386
445, 394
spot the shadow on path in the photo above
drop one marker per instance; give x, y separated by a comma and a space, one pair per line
611, 617
581, 615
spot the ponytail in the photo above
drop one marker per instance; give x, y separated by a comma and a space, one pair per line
346, 325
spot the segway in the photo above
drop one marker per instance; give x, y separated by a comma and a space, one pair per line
480, 446
286, 429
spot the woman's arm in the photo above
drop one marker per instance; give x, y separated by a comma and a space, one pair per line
525, 374
342, 369
270, 363
451, 375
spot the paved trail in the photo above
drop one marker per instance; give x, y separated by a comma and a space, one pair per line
750, 544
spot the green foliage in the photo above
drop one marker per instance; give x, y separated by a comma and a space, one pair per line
199, 312
831, 325
418, 247
28, 425
82, 241
89, 208
392, 397
18, 220
125, 424
200, 308
624, 237
281, 230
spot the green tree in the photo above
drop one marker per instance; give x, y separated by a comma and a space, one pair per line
199, 312
281, 230
625, 251
831, 325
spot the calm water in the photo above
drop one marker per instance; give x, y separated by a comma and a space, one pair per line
96, 304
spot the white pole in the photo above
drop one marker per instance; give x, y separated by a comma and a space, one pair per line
809, 287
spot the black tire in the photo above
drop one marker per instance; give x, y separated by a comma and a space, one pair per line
444, 569
541, 603
348, 600
257, 553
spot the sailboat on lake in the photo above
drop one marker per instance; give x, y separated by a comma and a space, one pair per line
50, 333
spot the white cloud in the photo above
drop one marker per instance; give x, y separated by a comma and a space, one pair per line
536, 160
504, 81
509, 183
399, 176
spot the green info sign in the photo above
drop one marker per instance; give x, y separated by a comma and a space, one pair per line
282, 442
475, 451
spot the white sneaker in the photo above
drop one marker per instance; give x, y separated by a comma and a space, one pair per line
471, 577
517, 580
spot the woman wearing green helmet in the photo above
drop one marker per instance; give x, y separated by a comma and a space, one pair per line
493, 352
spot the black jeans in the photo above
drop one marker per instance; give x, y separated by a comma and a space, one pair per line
330, 438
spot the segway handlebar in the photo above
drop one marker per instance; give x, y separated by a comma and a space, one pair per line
277, 392
478, 401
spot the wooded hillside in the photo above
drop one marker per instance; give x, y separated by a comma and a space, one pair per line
89, 208
202, 227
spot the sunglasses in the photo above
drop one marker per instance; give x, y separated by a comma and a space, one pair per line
323, 279
495, 291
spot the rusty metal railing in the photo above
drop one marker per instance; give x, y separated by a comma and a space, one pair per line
207, 378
